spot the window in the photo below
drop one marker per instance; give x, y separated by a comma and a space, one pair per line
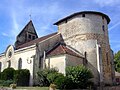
20, 63
9, 64
33, 37
83, 15
103, 27
85, 59
29, 36
102, 17
66, 21
117, 80
0, 66
100, 54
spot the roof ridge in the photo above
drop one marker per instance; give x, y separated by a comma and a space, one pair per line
43, 37
75, 51
63, 48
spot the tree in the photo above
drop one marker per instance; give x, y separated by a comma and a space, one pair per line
117, 61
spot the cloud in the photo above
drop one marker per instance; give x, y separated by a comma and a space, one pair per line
114, 26
15, 26
103, 3
5, 34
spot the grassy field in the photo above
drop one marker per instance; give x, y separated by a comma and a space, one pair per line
31, 88
26, 88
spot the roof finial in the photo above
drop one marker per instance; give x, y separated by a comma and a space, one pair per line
30, 16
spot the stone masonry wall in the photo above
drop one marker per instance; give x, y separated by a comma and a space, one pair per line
83, 33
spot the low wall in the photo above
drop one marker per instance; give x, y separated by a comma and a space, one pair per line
110, 88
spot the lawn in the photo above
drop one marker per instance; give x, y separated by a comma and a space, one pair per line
32, 88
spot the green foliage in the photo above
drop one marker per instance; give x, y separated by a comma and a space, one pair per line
8, 74
60, 81
76, 77
79, 75
42, 76
53, 76
117, 61
5, 82
63, 82
21, 77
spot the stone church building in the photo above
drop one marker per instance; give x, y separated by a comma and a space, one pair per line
81, 39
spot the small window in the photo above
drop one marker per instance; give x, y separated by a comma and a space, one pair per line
117, 80
0, 66
20, 63
102, 17
29, 36
33, 37
85, 59
9, 64
66, 21
83, 15
103, 27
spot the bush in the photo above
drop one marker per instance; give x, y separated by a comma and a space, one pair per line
7, 74
21, 77
6, 82
79, 75
60, 82
63, 82
42, 76
52, 76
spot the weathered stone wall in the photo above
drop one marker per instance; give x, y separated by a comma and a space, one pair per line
73, 60
83, 33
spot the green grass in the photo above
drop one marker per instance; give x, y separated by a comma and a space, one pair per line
31, 88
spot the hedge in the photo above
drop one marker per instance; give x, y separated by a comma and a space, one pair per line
22, 77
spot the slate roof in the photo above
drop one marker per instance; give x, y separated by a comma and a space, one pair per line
62, 49
35, 41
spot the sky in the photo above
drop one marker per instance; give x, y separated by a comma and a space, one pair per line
15, 14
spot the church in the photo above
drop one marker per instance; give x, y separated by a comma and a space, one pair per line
82, 39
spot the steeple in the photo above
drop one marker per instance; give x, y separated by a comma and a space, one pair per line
27, 34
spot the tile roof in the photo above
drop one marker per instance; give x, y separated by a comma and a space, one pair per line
83, 12
35, 41
62, 49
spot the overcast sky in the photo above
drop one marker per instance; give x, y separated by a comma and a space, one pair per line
15, 14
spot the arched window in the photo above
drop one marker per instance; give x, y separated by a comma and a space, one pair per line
20, 63
9, 63
0, 66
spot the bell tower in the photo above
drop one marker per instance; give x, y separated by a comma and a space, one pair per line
87, 32
27, 34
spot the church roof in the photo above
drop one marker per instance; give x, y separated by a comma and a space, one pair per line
35, 41
62, 49
83, 12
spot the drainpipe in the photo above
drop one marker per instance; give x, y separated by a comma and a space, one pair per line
44, 56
